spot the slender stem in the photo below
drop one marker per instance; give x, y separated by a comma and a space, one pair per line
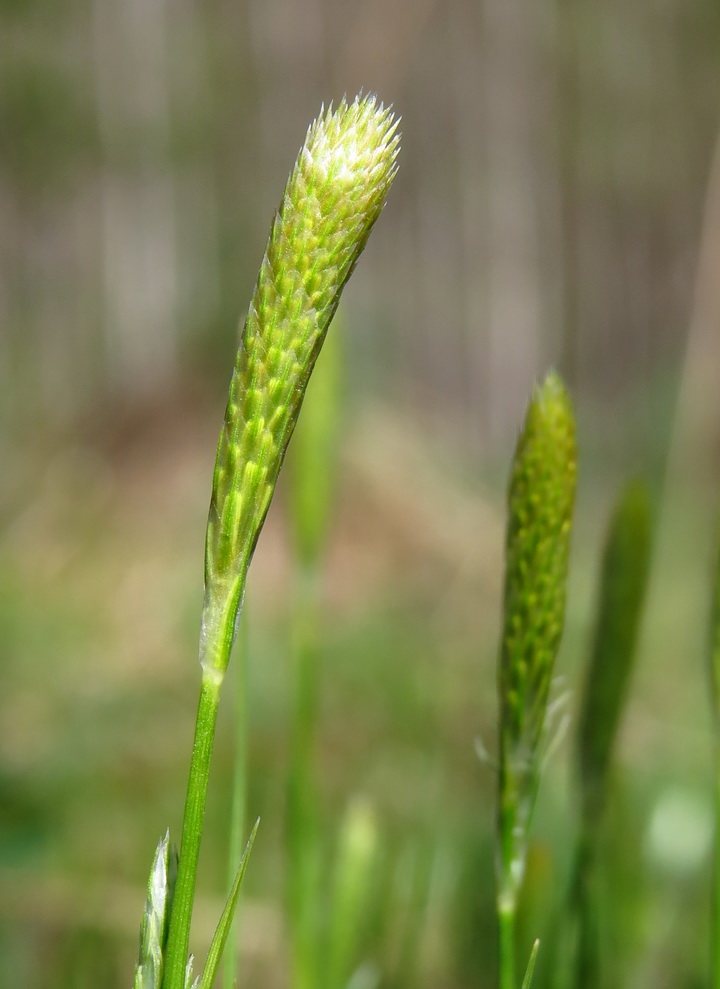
302, 818
239, 795
715, 933
583, 905
510, 865
179, 935
506, 945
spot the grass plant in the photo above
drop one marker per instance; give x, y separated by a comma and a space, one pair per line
332, 199
312, 464
623, 586
352, 874
714, 670
540, 505
156, 917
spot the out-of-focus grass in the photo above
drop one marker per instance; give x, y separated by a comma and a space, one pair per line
99, 590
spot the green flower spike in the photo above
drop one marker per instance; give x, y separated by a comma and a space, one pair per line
333, 197
540, 502
154, 930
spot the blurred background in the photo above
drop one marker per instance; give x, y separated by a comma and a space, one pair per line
558, 204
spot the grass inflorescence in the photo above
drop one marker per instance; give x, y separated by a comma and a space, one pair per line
541, 496
332, 199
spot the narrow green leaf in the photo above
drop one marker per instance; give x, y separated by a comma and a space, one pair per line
531, 964
714, 684
623, 586
353, 871
625, 571
714, 644
314, 453
223, 927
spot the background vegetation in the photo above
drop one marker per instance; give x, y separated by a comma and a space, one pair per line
558, 203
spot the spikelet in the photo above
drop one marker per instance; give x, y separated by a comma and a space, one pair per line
156, 917
540, 501
332, 199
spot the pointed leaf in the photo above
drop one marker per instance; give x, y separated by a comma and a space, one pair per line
223, 927
531, 965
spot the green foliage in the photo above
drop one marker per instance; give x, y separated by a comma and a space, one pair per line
714, 643
357, 849
314, 454
714, 671
623, 585
332, 199
625, 570
528, 977
313, 461
223, 929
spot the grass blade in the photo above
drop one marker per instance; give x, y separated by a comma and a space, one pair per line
353, 870
531, 964
312, 466
225, 923
714, 670
623, 586
625, 571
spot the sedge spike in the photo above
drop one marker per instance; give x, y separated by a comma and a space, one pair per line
540, 500
541, 497
333, 197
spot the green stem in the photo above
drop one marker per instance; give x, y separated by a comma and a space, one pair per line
179, 934
220, 611
302, 819
583, 907
715, 932
511, 838
506, 945
239, 795
219, 616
